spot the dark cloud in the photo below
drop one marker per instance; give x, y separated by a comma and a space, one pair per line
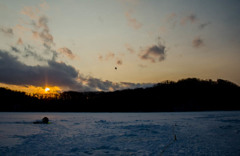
7, 31
197, 42
58, 74
28, 52
153, 53
127, 85
15, 49
99, 84
12, 71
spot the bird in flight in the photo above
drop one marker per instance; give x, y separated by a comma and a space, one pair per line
115, 68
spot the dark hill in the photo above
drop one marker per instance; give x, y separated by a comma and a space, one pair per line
185, 95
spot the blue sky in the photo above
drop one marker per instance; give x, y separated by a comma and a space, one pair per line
76, 45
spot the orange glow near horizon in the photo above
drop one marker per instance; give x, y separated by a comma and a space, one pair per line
34, 90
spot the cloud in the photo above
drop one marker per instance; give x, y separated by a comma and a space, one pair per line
40, 24
119, 62
110, 56
132, 22
12, 71
203, 25
171, 17
101, 85
42, 31
66, 52
29, 52
56, 74
31, 12
20, 42
7, 31
15, 49
44, 5
191, 18
154, 52
107, 57
129, 48
197, 42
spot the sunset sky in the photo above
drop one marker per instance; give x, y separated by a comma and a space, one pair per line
76, 44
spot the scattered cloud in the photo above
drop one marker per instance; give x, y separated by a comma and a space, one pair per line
154, 52
106, 57
109, 56
192, 18
100, 57
7, 31
39, 23
30, 52
67, 52
129, 48
172, 19
132, 22
44, 5
39, 28
197, 42
119, 62
31, 12
171, 16
203, 25
27, 52
42, 31
19, 41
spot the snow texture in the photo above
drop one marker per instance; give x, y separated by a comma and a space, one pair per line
73, 134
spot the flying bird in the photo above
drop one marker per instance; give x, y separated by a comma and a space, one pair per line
115, 68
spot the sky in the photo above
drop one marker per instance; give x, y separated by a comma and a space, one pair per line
106, 45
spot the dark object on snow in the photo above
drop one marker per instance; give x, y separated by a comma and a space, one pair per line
44, 121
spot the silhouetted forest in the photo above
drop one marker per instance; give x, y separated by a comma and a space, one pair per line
190, 94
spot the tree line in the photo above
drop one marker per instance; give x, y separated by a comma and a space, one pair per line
190, 94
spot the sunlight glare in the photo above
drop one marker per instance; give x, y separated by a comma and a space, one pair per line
47, 89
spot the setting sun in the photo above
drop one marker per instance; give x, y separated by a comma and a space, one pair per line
47, 90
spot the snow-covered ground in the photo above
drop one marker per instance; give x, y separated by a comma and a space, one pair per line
197, 133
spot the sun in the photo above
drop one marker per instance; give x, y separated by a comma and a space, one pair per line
47, 89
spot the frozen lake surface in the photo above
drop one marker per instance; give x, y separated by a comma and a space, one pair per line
197, 133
